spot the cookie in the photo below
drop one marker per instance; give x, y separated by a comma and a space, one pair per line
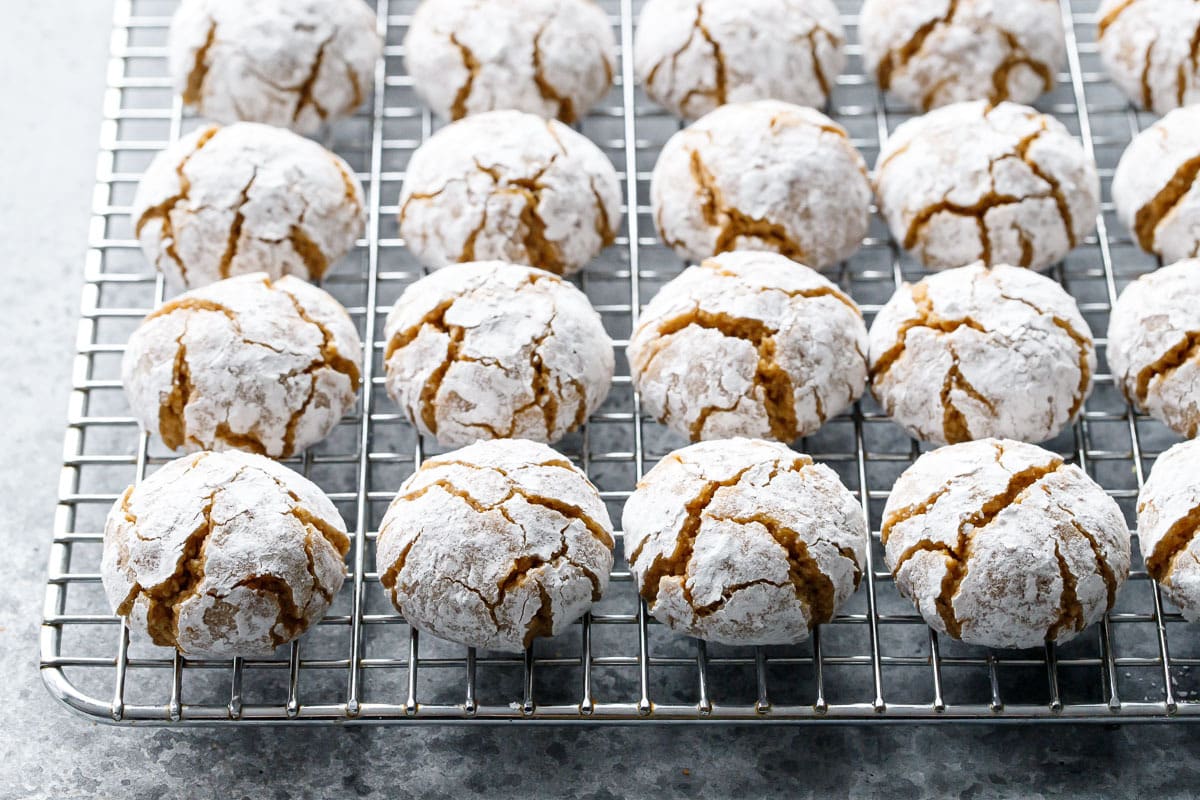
553, 58
1155, 188
246, 198
509, 186
495, 545
223, 554
1153, 338
1167, 516
764, 175
742, 541
1004, 184
489, 350
247, 363
979, 352
748, 344
1149, 49
694, 55
932, 53
289, 63
1001, 544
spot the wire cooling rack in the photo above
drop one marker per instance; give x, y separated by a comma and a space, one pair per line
877, 661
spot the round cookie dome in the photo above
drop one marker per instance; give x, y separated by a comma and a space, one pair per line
748, 344
765, 175
245, 198
935, 52
976, 352
694, 55
743, 541
1155, 188
1153, 336
495, 544
510, 186
289, 63
223, 554
1168, 505
493, 350
1148, 49
245, 363
553, 58
1001, 544
1003, 184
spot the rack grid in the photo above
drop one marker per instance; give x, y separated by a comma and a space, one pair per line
875, 662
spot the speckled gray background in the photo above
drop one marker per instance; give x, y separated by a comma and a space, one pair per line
51, 75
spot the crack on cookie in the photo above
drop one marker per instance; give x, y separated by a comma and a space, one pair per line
539, 385
458, 108
910, 511
1084, 346
290, 618
774, 382
315, 260
719, 94
925, 317
194, 87
235, 229
1060, 200
172, 425
732, 224
389, 577
329, 354
1103, 569
1017, 56
1149, 216
566, 108
604, 227
814, 589
958, 557
1108, 19
954, 423
162, 211
304, 92
675, 565
1070, 610
819, 69
1161, 563
1162, 368
709, 609
898, 58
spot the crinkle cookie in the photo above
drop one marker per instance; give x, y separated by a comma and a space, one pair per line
694, 55
743, 541
1149, 49
1153, 342
246, 198
765, 175
1155, 187
223, 554
495, 544
1001, 544
748, 344
489, 350
510, 186
289, 63
246, 364
1168, 516
976, 352
553, 58
1003, 184
935, 52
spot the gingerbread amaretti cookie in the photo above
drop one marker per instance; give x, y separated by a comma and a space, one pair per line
1168, 517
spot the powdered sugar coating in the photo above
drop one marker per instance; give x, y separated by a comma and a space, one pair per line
694, 55
976, 352
553, 58
1153, 342
765, 175
289, 63
1168, 516
1001, 544
935, 52
244, 363
744, 541
1155, 187
748, 344
245, 198
223, 554
1148, 47
1003, 184
510, 186
495, 544
493, 350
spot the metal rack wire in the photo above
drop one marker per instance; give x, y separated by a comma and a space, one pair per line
875, 662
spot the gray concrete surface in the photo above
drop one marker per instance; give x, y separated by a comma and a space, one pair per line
51, 75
